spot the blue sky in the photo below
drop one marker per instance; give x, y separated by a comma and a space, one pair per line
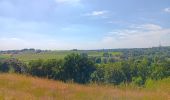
84, 24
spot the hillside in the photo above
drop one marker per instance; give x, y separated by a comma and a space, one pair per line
21, 87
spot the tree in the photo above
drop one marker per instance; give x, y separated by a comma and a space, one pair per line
4, 67
127, 70
138, 80
114, 74
58, 70
160, 70
106, 54
143, 68
78, 68
98, 75
35, 68
98, 60
12, 65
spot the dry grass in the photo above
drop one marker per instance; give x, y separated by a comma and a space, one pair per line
20, 87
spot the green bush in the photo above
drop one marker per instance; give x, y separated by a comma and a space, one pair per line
138, 81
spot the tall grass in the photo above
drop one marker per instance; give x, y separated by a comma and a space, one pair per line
21, 87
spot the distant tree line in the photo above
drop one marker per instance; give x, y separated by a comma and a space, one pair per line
31, 50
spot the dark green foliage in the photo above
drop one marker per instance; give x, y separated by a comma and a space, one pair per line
78, 68
108, 73
105, 60
35, 68
74, 67
4, 67
136, 71
143, 68
114, 74
98, 60
98, 75
12, 65
160, 70
58, 70
106, 54
138, 80
51, 68
128, 71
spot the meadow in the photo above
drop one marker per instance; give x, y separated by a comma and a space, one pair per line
5, 56
22, 87
56, 55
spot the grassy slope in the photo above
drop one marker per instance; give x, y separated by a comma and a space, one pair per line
20, 87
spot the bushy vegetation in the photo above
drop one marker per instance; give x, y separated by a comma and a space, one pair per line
132, 66
12, 65
74, 67
131, 71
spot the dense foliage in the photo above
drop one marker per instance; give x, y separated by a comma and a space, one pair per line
12, 65
135, 66
74, 67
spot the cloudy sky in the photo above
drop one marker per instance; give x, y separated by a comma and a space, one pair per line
84, 24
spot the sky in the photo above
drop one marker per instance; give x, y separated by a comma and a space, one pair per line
84, 24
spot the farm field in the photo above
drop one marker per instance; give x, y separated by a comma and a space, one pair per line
4, 56
56, 55
21, 87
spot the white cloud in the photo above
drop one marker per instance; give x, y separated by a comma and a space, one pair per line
147, 27
167, 10
138, 36
152, 27
102, 13
147, 35
70, 2
98, 13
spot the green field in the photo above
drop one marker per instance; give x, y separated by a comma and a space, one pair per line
4, 56
56, 55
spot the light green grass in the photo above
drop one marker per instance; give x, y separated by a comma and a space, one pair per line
44, 55
5, 56
56, 55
